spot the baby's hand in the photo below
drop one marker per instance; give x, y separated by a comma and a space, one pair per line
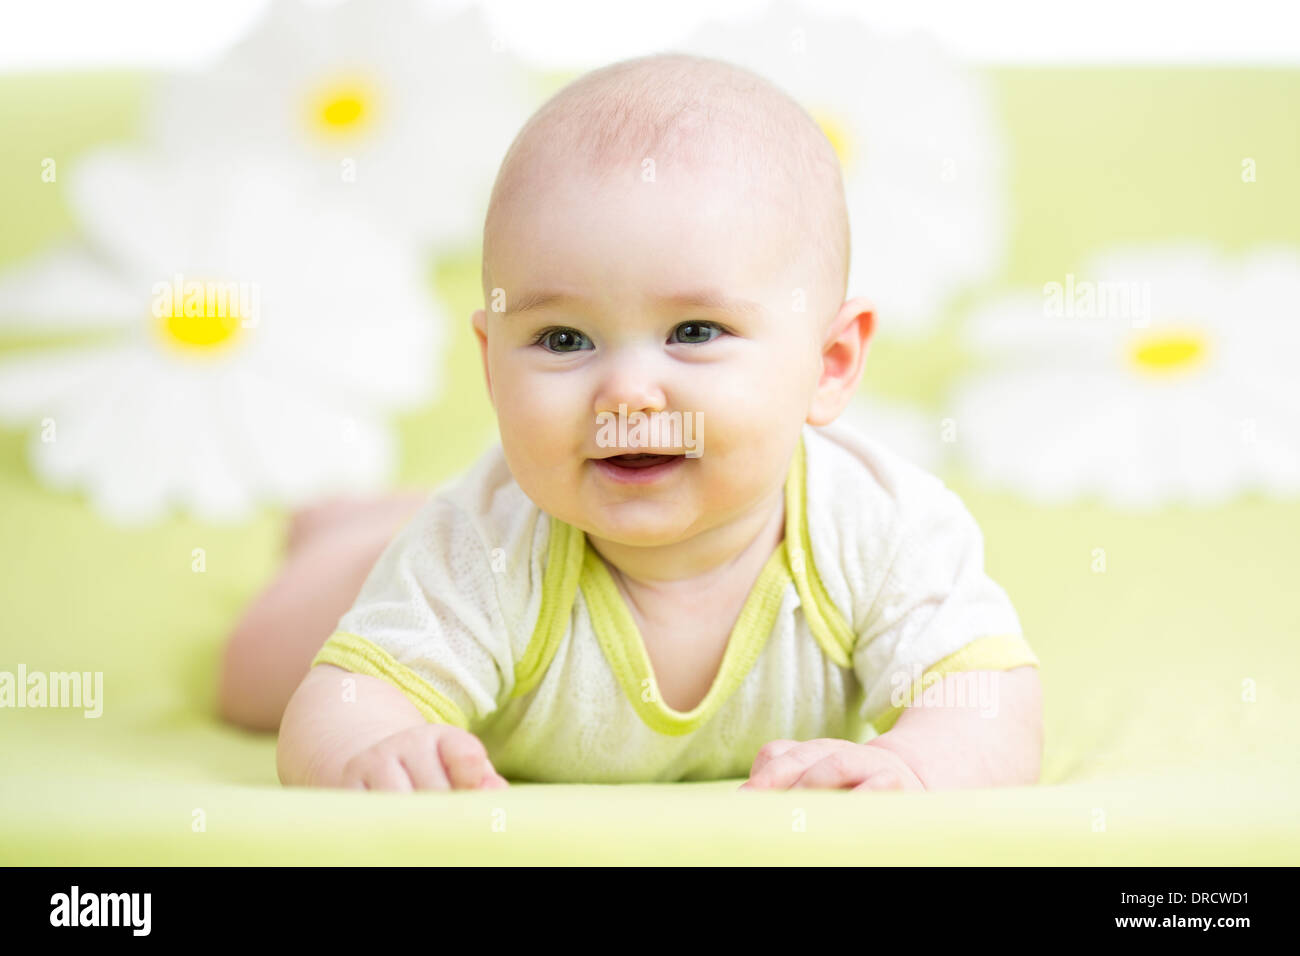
425, 757
830, 763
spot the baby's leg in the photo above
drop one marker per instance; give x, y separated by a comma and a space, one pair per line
329, 551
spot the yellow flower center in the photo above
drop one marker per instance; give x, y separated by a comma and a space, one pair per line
342, 107
1169, 351
202, 317
838, 133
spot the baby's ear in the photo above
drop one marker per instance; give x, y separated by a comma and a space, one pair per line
479, 321
843, 355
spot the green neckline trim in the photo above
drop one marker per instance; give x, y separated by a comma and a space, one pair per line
824, 619
625, 650
564, 555
572, 563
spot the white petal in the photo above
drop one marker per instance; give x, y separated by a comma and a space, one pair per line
67, 288
88, 425
1027, 325
1050, 435
32, 386
196, 468
131, 480
301, 445
134, 211
424, 165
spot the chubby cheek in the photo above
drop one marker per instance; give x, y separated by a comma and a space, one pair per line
749, 466
541, 419
743, 454
748, 432
749, 410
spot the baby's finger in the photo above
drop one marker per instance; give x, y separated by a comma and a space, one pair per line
494, 781
783, 770
884, 779
465, 760
425, 768
769, 752
386, 773
843, 768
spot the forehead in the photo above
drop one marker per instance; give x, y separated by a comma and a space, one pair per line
645, 224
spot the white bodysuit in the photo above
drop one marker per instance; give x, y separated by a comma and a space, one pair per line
492, 616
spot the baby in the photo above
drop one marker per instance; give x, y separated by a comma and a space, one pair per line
673, 567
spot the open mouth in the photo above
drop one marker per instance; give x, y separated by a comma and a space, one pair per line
638, 468
639, 461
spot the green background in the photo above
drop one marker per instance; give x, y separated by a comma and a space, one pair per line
1152, 755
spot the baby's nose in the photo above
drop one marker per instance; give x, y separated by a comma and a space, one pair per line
633, 382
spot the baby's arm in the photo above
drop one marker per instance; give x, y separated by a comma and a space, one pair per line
373, 738
929, 747
959, 747
935, 611
331, 548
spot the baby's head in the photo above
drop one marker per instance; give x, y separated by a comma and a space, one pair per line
666, 235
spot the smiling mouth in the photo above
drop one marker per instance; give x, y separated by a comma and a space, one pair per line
639, 460
644, 468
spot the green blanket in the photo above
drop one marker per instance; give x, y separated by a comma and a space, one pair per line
1170, 720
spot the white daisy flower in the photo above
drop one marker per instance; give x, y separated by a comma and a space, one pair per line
261, 340
918, 142
1156, 375
404, 112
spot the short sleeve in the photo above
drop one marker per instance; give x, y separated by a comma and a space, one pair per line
429, 620
937, 611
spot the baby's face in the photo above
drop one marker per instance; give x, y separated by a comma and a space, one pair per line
684, 295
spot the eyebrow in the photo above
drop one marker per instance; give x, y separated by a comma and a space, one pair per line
701, 298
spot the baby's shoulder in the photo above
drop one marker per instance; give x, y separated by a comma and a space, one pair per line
864, 489
487, 498
484, 501
480, 523
868, 510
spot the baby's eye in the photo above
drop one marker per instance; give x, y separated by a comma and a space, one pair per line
562, 340
694, 333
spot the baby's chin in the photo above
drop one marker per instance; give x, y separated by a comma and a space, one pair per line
636, 524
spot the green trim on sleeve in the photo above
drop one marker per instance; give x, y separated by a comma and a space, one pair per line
624, 648
564, 554
998, 652
361, 656
828, 626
